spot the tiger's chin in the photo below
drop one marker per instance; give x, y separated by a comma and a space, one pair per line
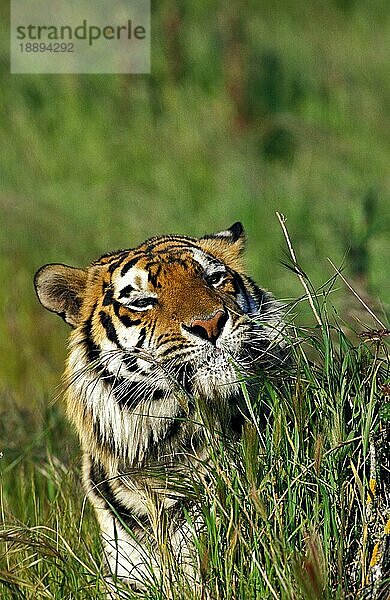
217, 377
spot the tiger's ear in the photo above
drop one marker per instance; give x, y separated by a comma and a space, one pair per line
61, 289
227, 245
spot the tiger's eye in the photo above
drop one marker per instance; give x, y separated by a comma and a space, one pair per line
215, 278
142, 303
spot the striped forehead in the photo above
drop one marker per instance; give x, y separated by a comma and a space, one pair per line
136, 272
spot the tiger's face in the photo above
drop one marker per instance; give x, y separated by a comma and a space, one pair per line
176, 308
175, 313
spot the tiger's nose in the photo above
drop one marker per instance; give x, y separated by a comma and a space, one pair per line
210, 328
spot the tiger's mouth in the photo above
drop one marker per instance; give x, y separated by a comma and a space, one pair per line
209, 355
206, 369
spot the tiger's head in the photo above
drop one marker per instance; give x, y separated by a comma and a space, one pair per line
176, 314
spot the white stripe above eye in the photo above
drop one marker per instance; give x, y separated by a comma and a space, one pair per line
136, 278
209, 264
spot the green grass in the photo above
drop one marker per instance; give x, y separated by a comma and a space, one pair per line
286, 513
244, 114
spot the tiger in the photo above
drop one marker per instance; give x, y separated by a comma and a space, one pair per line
159, 331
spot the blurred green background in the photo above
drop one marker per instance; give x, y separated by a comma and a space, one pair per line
251, 108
